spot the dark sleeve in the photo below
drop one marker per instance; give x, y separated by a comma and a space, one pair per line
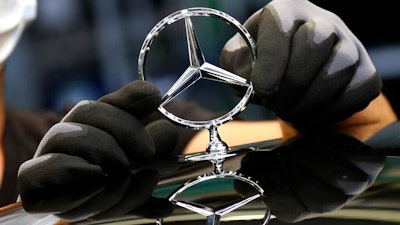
22, 133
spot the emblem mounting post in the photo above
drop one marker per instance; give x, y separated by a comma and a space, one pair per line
198, 68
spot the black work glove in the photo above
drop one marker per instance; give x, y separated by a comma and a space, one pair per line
310, 69
84, 166
313, 174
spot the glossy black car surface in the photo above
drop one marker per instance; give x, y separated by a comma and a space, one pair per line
318, 179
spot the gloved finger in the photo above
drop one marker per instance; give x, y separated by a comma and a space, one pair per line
165, 136
126, 129
330, 81
273, 48
321, 92
89, 143
306, 60
114, 189
351, 100
140, 98
320, 95
56, 182
273, 52
138, 193
235, 55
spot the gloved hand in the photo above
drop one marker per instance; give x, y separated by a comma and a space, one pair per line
309, 175
84, 166
310, 68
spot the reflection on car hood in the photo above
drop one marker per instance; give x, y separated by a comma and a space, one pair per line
298, 176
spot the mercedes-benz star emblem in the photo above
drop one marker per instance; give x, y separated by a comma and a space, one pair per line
199, 68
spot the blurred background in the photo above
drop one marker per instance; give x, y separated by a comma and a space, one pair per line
83, 49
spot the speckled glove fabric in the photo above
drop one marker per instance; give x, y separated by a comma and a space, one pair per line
88, 165
310, 69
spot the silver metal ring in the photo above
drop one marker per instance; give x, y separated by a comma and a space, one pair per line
198, 63
214, 214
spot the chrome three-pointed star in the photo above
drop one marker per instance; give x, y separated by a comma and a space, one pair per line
214, 214
199, 68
